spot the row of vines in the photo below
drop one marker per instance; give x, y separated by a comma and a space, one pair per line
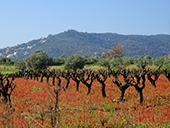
57, 80
122, 78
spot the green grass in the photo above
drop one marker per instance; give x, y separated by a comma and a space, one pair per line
56, 67
89, 66
7, 69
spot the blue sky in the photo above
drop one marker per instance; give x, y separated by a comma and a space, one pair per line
24, 20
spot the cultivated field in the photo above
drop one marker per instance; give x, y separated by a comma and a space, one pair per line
7, 69
33, 105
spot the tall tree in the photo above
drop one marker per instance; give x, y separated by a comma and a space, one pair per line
37, 60
75, 62
115, 51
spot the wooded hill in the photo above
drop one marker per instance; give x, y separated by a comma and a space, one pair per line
83, 43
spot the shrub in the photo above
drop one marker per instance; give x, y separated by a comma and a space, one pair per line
75, 62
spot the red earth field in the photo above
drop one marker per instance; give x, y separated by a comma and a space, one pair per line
33, 106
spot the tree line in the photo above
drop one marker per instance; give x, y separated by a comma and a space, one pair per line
112, 59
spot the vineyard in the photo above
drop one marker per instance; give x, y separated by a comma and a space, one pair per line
85, 98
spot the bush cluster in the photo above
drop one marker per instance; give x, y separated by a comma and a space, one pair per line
140, 62
40, 60
6, 60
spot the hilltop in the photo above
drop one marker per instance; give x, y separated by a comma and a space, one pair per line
83, 43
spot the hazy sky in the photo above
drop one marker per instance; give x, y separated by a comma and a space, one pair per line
24, 20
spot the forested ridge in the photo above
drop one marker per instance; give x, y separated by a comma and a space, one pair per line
88, 44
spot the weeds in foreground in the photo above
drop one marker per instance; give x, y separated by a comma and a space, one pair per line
45, 106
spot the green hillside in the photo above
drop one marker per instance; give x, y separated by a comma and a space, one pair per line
83, 43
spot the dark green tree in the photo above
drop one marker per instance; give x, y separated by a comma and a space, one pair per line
60, 60
91, 60
37, 60
75, 62
143, 62
128, 60
20, 64
116, 63
105, 62
5, 60
162, 62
